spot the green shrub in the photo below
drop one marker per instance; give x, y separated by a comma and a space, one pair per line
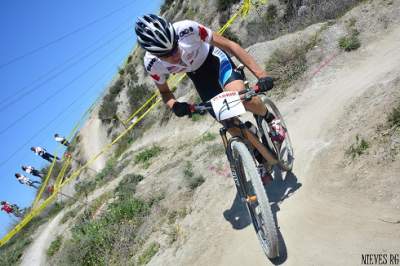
166, 5
12, 251
131, 71
208, 137
195, 182
271, 14
128, 184
137, 95
148, 253
145, 156
349, 43
232, 36
123, 144
287, 65
358, 148
128, 209
216, 150
54, 246
225, 4
192, 181
188, 170
108, 238
196, 117
109, 170
68, 215
129, 59
84, 187
394, 117
108, 107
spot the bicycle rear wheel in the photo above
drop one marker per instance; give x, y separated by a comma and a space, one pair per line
258, 206
284, 150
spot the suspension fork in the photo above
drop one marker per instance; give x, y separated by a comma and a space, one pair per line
233, 163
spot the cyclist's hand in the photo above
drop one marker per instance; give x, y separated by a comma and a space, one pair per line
181, 109
265, 84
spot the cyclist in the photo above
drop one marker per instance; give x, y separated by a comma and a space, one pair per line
11, 208
187, 46
32, 171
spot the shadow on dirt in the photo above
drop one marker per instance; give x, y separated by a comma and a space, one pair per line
279, 190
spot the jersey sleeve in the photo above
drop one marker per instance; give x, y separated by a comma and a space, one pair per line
189, 29
151, 66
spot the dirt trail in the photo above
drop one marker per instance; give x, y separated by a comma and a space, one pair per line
319, 231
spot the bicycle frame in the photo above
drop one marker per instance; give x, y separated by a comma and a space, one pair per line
241, 131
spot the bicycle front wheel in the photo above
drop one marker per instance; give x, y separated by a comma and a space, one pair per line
257, 200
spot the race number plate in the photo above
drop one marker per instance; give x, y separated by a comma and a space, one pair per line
227, 104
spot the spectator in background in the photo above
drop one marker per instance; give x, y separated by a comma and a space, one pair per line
26, 181
32, 171
44, 154
5, 206
11, 208
61, 139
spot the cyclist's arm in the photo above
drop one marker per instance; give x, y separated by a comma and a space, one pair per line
166, 94
241, 54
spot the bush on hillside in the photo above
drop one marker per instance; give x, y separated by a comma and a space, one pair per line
349, 43
394, 117
132, 74
166, 5
109, 238
54, 246
271, 14
137, 95
225, 4
108, 107
287, 65
358, 148
232, 36
271, 25
128, 184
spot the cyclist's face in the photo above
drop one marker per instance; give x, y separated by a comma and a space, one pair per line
174, 57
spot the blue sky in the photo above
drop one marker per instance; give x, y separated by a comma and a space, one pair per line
56, 57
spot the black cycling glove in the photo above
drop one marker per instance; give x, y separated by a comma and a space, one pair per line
181, 109
265, 84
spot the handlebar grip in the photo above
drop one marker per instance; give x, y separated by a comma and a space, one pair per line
256, 88
265, 84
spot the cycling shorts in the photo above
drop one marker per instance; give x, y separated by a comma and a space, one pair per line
212, 76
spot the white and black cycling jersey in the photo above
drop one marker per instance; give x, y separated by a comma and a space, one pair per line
194, 44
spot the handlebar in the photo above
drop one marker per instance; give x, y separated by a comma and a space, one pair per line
202, 108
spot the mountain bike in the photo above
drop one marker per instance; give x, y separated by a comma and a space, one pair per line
242, 150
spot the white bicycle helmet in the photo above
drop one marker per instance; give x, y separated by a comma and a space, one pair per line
156, 35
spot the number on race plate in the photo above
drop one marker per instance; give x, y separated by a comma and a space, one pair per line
227, 104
